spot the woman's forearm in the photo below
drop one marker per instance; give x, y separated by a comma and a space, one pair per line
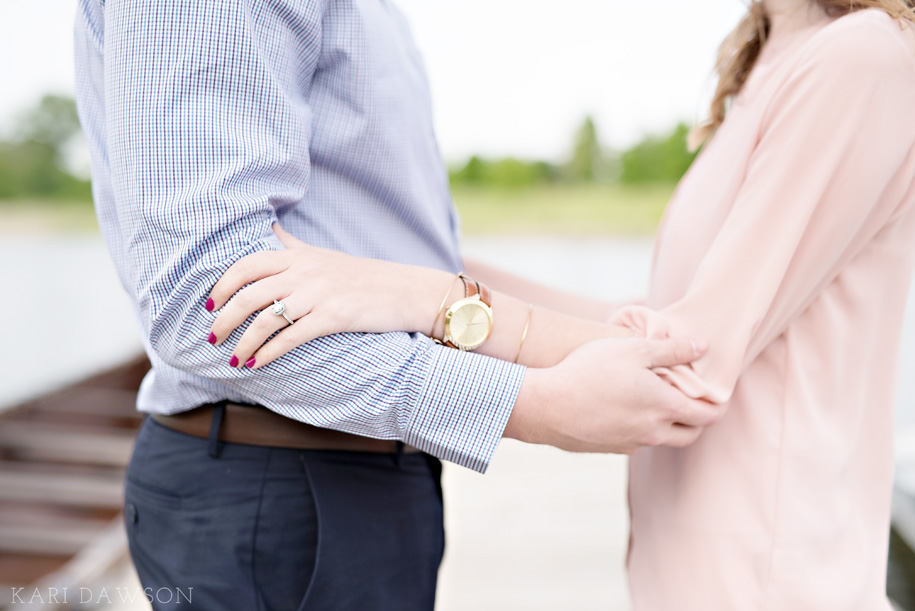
550, 336
539, 294
330, 292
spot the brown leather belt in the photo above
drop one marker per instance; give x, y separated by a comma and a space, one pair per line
258, 426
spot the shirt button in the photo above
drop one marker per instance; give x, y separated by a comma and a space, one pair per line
132, 513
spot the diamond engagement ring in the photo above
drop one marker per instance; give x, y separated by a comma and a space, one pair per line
279, 308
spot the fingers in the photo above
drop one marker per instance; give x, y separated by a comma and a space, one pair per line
248, 269
693, 412
680, 436
262, 327
249, 300
288, 240
304, 330
670, 352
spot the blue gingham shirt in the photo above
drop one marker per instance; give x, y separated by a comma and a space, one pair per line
208, 121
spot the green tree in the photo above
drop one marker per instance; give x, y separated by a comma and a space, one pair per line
586, 154
53, 121
31, 165
657, 159
507, 173
473, 172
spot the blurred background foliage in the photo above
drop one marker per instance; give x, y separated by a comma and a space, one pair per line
33, 162
657, 159
595, 189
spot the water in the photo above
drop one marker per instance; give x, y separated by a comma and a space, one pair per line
65, 315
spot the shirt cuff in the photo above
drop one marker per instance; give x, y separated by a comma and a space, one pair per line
463, 407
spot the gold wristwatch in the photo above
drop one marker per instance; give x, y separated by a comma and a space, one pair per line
469, 321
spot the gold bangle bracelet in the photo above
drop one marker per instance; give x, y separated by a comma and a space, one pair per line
441, 308
527, 326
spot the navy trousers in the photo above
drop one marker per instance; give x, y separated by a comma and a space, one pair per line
279, 529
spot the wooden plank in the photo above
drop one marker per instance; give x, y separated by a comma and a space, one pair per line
129, 375
103, 491
22, 569
88, 402
126, 377
62, 537
57, 498
41, 469
6, 593
35, 515
88, 566
26, 440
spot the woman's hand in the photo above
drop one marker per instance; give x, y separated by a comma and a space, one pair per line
325, 292
606, 397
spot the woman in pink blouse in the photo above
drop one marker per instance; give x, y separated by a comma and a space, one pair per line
789, 246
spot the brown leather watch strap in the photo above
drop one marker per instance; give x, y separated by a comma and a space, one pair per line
469, 284
472, 287
485, 295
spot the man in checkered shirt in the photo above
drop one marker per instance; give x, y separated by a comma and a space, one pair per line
208, 122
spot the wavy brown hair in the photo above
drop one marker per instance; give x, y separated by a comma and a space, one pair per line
740, 50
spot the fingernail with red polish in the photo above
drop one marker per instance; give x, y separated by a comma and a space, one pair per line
234, 361
250, 362
210, 304
212, 338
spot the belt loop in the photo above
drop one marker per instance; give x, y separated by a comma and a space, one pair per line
219, 410
398, 454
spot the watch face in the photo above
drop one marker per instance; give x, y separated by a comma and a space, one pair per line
469, 324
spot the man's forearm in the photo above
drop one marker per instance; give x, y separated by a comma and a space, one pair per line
451, 404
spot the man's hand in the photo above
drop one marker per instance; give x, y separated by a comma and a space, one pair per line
604, 397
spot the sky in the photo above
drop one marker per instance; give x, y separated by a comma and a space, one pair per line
509, 77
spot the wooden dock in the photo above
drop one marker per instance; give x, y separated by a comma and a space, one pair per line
62, 462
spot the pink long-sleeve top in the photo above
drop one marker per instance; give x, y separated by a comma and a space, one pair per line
789, 246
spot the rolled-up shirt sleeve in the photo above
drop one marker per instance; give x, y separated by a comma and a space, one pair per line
827, 176
206, 135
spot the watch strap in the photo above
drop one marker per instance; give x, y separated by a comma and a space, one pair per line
472, 287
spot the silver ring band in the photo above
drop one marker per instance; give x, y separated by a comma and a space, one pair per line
279, 309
